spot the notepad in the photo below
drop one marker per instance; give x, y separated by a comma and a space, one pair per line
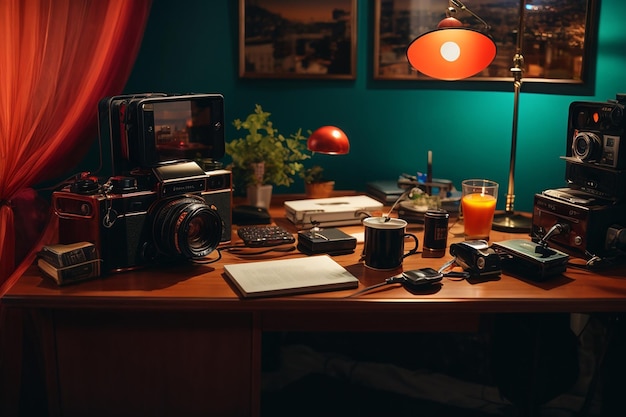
289, 276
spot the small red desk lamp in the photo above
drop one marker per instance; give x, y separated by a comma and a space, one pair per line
329, 140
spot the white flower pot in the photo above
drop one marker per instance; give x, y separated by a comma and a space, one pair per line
259, 195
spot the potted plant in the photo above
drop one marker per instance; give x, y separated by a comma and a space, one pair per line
263, 157
315, 184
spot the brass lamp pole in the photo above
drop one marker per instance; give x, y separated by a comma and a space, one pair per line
509, 221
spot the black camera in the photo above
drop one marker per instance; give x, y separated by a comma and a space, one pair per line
595, 131
164, 208
476, 258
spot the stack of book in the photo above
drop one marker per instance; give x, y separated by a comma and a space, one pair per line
385, 191
69, 263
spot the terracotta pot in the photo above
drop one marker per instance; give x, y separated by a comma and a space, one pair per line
319, 189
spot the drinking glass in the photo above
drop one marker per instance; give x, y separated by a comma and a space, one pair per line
478, 205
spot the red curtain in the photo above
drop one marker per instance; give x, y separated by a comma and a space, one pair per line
58, 58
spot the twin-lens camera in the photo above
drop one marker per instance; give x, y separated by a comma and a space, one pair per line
159, 204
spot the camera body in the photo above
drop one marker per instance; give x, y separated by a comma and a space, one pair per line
159, 205
595, 151
596, 133
133, 224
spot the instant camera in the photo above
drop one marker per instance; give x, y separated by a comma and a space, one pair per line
588, 218
159, 205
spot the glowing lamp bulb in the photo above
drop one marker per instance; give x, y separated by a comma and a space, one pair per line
450, 51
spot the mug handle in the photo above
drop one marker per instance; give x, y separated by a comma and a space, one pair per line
414, 250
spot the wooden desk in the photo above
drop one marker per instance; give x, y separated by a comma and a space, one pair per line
179, 341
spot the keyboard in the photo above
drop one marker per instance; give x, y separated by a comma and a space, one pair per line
263, 236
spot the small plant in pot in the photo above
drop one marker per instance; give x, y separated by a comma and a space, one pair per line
315, 184
264, 157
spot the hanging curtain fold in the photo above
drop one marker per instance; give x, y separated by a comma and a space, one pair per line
58, 58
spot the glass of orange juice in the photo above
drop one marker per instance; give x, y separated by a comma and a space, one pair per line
478, 205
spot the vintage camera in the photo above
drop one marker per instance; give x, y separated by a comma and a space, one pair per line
159, 205
185, 215
595, 132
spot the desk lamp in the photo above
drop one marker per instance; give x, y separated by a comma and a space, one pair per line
453, 52
329, 140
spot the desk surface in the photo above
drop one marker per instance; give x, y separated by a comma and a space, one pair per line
205, 287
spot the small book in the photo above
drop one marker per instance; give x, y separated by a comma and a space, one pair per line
385, 191
69, 274
290, 276
61, 256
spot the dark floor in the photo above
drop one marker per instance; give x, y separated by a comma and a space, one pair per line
319, 395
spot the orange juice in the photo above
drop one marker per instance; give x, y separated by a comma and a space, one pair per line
478, 212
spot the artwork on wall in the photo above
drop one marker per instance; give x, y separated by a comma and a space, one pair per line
556, 47
297, 39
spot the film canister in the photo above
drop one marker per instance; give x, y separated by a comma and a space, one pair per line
435, 233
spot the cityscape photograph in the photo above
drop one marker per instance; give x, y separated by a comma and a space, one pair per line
298, 38
553, 45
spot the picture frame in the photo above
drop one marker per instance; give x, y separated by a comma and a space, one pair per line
297, 39
557, 47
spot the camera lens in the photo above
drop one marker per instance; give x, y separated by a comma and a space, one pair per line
586, 146
186, 227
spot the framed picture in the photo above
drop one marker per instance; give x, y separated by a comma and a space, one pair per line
297, 39
557, 44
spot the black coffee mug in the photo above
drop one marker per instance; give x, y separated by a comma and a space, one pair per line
384, 242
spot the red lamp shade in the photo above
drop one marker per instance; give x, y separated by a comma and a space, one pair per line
329, 140
449, 22
452, 53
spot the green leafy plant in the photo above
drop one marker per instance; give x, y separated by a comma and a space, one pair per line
313, 174
281, 156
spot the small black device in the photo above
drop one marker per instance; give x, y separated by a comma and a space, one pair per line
419, 278
264, 236
247, 215
331, 241
476, 258
531, 260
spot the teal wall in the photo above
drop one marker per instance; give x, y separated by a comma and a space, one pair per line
191, 46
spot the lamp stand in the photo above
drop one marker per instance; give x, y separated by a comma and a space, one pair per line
509, 221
